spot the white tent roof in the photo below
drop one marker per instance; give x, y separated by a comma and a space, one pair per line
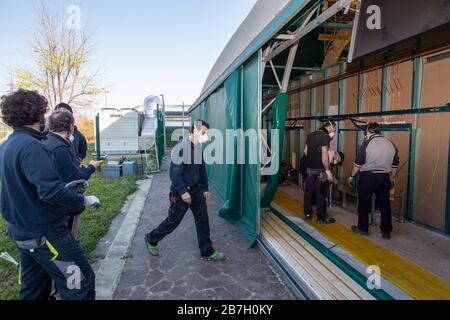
262, 14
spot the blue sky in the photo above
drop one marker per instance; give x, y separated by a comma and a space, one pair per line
142, 47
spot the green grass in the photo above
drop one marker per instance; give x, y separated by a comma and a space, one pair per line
94, 225
8, 272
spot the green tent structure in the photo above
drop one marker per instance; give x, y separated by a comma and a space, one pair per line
231, 99
308, 50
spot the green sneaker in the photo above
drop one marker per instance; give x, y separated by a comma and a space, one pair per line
153, 250
216, 256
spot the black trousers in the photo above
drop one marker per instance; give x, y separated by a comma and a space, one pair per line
60, 259
177, 211
377, 184
315, 189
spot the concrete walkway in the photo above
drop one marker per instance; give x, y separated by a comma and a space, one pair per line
179, 274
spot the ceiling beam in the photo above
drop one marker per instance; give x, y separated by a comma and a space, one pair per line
297, 68
304, 30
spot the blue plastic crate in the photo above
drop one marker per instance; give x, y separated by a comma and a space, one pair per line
112, 171
129, 168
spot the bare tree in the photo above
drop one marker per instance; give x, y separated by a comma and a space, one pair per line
61, 56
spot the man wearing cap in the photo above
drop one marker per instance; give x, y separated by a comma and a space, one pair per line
377, 162
78, 140
318, 171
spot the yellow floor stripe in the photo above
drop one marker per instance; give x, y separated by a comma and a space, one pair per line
412, 279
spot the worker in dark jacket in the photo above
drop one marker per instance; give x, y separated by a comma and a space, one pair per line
34, 202
78, 140
189, 190
377, 161
61, 126
318, 171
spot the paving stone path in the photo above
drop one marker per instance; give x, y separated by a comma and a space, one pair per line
179, 274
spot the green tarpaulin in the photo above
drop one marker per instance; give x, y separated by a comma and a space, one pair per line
235, 105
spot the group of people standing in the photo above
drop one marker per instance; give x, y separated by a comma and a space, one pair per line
40, 161
37, 162
43, 156
376, 162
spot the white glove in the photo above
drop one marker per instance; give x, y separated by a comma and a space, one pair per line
91, 201
329, 176
351, 182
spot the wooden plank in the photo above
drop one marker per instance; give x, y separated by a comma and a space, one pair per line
338, 273
299, 269
334, 37
310, 265
337, 47
406, 275
342, 279
322, 265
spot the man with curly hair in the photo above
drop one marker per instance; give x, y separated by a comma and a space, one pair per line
34, 202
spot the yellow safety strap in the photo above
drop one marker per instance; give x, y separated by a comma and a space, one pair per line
52, 250
19, 279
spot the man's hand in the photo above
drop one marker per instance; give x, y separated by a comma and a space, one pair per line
91, 201
186, 197
207, 195
96, 164
351, 182
330, 177
392, 186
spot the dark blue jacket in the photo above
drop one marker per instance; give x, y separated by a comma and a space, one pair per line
187, 170
80, 144
33, 198
67, 163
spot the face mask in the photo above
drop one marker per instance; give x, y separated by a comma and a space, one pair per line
203, 139
331, 135
71, 138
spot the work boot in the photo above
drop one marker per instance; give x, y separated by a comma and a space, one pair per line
326, 220
386, 236
355, 229
216, 256
152, 248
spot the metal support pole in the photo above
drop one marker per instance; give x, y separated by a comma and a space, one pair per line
97, 136
401, 196
289, 65
164, 123
275, 74
183, 117
106, 97
330, 196
373, 221
344, 199
268, 106
308, 27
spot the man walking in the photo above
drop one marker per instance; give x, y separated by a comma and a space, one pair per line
318, 171
377, 161
189, 190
